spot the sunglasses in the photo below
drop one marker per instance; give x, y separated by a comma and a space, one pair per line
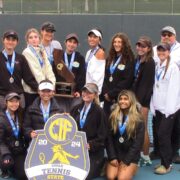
141, 45
166, 34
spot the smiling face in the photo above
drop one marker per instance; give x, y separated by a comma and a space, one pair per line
10, 43
46, 95
87, 96
117, 44
167, 37
33, 39
47, 36
142, 49
93, 40
12, 104
71, 45
124, 102
163, 54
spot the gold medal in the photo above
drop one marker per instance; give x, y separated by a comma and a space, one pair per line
11, 79
16, 143
110, 79
121, 139
60, 66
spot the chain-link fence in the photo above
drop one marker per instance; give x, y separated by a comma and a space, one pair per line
90, 6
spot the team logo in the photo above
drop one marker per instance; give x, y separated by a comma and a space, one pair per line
58, 152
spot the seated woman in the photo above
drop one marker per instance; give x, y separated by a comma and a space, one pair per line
42, 108
12, 145
91, 119
125, 139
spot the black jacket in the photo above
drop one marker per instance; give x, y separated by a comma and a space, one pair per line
79, 72
94, 127
34, 117
21, 71
122, 79
143, 83
7, 138
129, 150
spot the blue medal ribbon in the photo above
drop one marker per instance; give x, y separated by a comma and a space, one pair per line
83, 115
113, 67
158, 75
122, 126
10, 66
45, 112
15, 128
137, 65
38, 56
69, 65
92, 53
50, 55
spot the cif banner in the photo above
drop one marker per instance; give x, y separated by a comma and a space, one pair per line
58, 152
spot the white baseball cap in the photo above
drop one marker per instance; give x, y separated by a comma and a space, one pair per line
95, 32
46, 85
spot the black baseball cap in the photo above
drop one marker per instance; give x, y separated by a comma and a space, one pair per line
48, 26
10, 33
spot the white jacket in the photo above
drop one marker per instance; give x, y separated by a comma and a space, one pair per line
95, 71
40, 73
166, 92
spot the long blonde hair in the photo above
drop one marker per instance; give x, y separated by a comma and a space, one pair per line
134, 116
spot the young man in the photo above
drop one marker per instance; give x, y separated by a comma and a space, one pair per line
42, 108
13, 68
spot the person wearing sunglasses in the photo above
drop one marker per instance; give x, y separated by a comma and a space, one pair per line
168, 35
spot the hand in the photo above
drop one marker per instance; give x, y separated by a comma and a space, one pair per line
107, 98
122, 165
76, 94
88, 146
33, 134
6, 161
114, 163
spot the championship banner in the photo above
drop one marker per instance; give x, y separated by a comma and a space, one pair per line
58, 152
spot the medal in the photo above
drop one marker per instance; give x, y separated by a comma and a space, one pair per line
121, 139
16, 143
110, 79
11, 79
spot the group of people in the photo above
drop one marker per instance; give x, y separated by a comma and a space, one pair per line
110, 101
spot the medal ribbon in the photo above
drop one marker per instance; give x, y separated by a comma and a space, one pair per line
45, 112
158, 75
15, 128
50, 55
113, 67
83, 115
92, 53
38, 56
122, 126
69, 65
10, 66
137, 68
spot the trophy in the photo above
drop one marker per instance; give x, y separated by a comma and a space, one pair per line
63, 89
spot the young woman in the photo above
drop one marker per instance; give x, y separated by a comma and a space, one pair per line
165, 103
143, 86
90, 118
12, 144
95, 59
42, 108
75, 63
125, 139
119, 70
38, 63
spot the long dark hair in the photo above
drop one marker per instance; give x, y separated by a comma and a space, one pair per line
127, 53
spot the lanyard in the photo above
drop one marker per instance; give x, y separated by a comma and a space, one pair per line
38, 56
92, 53
15, 128
137, 68
158, 75
122, 126
83, 115
45, 112
113, 67
69, 65
10, 66
50, 54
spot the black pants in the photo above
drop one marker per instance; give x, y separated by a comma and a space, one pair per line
16, 166
107, 107
164, 127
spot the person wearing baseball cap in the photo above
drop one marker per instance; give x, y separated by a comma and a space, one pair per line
168, 35
42, 108
12, 145
75, 63
165, 105
91, 119
13, 69
95, 59
47, 39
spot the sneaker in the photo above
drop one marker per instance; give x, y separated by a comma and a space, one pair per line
5, 174
144, 162
162, 170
